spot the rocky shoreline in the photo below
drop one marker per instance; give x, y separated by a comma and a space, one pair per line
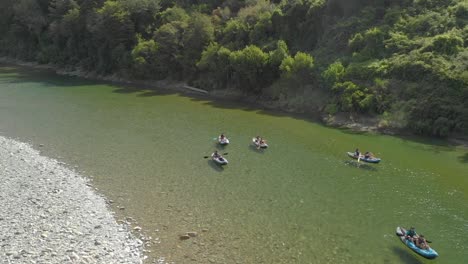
51, 214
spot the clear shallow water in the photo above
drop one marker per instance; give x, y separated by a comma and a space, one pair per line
300, 201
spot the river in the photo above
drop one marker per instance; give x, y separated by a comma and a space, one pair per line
300, 201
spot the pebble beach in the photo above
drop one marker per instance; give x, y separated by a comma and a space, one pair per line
51, 214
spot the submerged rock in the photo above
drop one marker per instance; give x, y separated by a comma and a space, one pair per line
192, 234
184, 237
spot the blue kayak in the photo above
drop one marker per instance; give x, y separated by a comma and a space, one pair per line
370, 159
427, 253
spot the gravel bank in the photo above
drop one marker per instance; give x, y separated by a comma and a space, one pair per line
49, 214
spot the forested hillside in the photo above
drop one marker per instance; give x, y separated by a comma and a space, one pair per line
404, 61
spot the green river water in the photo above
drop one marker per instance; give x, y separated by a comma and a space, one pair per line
300, 201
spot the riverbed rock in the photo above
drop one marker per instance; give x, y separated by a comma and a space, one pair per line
184, 237
192, 234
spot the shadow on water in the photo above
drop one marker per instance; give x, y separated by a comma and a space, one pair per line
255, 149
49, 77
215, 165
144, 90
360, 165
353, 132
436, 144
406, 256
463, 158
24, 74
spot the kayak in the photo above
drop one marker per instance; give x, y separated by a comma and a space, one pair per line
220, 159
257, 144
370, 159
223, 141
427, 253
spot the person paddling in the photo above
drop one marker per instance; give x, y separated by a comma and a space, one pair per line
421, 242
357, 153
411, 234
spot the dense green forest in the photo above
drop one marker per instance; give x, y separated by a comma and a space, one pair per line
404, 61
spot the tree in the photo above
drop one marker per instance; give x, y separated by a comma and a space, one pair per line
235, 34
351, 97
300, 66
143, 14
27, 26
334, 73
113, 36
214, 66
248, 67
170, 38
448, 44
276, 58
145, 59
199, 33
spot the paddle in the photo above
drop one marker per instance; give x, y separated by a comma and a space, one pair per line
205, 157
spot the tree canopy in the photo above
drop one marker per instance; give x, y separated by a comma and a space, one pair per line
403, 61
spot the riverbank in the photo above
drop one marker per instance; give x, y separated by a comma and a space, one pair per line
353, 122
338, 121
50, 214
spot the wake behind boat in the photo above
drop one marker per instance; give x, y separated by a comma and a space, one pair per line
219, 159
363, 158
428, 253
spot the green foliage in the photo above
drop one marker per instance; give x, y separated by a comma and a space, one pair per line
448, 44
435, 116
370, 44
428, 23
28, 15
142, 13
276, 57
262, 31
197, 36
114, 36
331, 109
145, 59
235, 35
173, 14
375, 57
279, 54
334, 73
170, 38
215, 66
460, 11
399, 42
352, 97
58, 8
251, 13
430, 4
248, 67
300, 66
